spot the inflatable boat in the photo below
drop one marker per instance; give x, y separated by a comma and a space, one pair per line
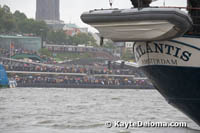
147, 24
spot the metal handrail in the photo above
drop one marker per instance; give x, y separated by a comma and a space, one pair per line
180, 7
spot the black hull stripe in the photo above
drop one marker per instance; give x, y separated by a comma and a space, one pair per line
191, 36
185, 44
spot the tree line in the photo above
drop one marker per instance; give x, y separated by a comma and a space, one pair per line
18, 23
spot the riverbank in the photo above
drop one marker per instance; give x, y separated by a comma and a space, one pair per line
91, 86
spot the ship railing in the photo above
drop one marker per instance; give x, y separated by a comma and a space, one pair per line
180, 7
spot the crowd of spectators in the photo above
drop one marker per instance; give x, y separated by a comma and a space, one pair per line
90, 77
81, 80
22, 66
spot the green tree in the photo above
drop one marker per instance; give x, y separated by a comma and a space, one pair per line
40, 28
69, 39
7, 22
19, 16
128, 56
6, 9
19, 19
92, 41
58, 37
109, 44
83, 38
19, 23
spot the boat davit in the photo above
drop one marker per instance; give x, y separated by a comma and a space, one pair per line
146, 24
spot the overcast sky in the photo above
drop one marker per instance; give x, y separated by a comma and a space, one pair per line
70, 10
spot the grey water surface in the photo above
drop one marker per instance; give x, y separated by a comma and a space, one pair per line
55, 110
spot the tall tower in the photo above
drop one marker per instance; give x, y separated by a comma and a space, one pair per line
48, 10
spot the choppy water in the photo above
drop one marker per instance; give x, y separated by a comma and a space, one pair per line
37, 110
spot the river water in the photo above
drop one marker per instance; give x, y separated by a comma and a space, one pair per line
44, 110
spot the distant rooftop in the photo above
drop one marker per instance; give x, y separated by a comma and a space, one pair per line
70, 25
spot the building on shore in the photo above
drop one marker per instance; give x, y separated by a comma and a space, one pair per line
72, 29
49, 11
20, 42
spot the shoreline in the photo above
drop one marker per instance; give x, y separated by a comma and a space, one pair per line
88, 86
